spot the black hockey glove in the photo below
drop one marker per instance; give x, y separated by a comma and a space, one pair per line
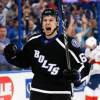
72, 76
10, 51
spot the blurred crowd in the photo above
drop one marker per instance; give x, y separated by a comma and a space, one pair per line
81, 17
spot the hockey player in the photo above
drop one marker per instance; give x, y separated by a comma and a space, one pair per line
45, 53
92, 90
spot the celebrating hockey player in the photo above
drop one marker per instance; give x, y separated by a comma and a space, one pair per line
45, 53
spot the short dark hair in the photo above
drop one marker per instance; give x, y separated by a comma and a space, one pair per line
51, 12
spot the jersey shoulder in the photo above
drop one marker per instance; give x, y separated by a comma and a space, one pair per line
33, 37
71, 41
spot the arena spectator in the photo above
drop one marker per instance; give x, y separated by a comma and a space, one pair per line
52, 4
12, 31
4, 65
83, 30
37, 8
4, 11
30, 27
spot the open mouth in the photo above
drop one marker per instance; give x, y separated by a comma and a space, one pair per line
48, 29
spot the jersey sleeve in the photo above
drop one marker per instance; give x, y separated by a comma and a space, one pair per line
21, 59
78, 59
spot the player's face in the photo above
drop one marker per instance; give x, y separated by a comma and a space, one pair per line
49, 24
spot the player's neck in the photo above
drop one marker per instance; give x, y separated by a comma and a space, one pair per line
52, 35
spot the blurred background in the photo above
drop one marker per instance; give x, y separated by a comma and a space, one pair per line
19, 19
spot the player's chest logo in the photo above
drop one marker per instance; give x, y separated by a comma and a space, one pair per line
52, 68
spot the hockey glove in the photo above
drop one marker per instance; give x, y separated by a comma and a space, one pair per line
10, 51
72, 76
